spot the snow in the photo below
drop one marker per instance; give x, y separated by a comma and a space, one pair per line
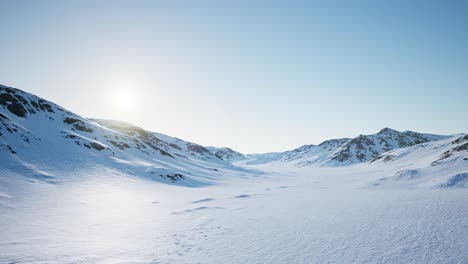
227, 154
346, 151
311, 215
39, 141
425, 165
77, 190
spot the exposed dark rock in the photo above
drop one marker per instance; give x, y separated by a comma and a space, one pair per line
44, 106
165, 153
70, 136
4, 116
175, 177
385, 158
461, 147
449, 153
333, 142
181, 156
120, 145
78, 124
13, 100
460, 139
9, 148
197, 148
364, 148
96, 146
12, 128
70, 121
13, 104
342, 156
174, 146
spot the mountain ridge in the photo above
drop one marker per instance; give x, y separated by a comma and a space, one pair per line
347, 151
31, 126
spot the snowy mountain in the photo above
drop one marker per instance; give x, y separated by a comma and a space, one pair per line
346, 151
442, 163
227, 154
38, 136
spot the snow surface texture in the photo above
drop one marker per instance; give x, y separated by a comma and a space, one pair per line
77, 190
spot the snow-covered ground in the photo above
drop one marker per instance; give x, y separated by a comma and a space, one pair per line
78, 190
288, 215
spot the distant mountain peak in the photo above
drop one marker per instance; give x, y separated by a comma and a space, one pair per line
333, 142
227, 154
347, 151
388, 130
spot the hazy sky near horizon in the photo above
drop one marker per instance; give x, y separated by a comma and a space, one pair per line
256, 76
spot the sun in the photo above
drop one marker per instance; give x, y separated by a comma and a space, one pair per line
124, 99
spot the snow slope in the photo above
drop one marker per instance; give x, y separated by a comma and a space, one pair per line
442, 163
39, 137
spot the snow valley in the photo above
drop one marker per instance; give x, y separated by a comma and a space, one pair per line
74, 189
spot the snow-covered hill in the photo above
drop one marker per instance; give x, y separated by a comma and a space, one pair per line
442, 163
346, 151
38, 137
227, 154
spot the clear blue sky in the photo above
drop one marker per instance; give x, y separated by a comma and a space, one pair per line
256, 76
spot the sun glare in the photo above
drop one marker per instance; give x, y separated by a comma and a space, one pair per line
124, 99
